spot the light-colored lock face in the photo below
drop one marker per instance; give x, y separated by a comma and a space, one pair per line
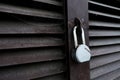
82, 53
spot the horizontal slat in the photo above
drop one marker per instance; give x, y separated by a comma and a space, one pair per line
53, 2
29, 11
104, 14
110, 76
104, 5
29, 56
104, 33
104, 41
31, 71
105, 59
104, 69
96, 51
104, 24
29, 42
29, 28
118, 78
53, 77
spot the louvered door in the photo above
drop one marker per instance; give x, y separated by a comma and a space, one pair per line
105, 39
32, 40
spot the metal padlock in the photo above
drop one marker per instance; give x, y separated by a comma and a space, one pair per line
82, 51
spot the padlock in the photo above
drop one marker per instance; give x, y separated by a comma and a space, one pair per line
82, 52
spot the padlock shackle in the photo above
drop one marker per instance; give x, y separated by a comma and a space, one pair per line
75, 37
75, 34
83, 35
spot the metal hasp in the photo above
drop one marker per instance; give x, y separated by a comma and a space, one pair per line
79, 9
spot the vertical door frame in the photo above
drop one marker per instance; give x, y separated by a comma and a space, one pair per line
76, 9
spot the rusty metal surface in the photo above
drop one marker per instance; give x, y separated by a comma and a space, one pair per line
79, 9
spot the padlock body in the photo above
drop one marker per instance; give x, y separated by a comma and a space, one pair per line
82, 53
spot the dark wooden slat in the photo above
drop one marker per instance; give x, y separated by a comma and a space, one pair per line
29, 56
104, 33
104, 14
27, 72
29, 28
110, 76
29, 11
104, 5
96, 51
53, 2
104, 69
118, 78
53, 77
29, 42
104, 24
104, 41
105, 59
